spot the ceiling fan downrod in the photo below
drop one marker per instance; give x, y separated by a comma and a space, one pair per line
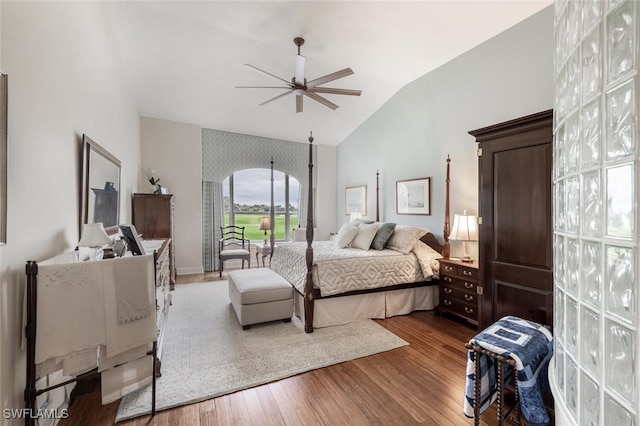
298, 41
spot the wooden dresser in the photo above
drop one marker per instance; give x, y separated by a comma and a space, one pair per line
459, 289
152, 215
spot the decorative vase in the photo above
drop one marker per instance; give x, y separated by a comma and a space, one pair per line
158, 190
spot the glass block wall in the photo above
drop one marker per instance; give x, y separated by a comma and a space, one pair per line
595, 369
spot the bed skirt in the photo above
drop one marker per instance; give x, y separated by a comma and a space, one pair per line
346, 309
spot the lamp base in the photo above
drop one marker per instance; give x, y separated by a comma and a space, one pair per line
466, 258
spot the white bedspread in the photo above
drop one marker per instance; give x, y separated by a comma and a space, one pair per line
338, 270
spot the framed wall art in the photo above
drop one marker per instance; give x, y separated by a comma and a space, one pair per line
413, 196
355, 200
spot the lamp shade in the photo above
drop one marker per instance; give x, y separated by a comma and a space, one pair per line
464, 228
265, 223
93, 235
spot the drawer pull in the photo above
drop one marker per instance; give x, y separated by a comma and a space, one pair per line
447, 302
467, 273
447, 279
468, 310
448, 268
468, 298
447, 290
468, 285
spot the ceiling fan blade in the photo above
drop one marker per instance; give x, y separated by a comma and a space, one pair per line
330, 77
299, 103
263, 87
268, 74
277, 97
299, 77
322, 100
335, 91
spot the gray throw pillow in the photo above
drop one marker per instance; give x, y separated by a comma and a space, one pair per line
382, 236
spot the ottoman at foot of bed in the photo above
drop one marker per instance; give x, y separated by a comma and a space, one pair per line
260, 295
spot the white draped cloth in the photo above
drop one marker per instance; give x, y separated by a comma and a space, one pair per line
97, 314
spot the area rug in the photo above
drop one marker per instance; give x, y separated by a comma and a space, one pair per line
207, 354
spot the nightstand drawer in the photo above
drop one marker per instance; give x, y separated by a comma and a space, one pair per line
459, 295
468, 273
468, 311
460, 284
446, 269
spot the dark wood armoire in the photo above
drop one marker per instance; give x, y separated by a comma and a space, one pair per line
515, 215
152, 215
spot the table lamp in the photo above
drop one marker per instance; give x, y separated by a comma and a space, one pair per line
464, 229
265, 224
94, 237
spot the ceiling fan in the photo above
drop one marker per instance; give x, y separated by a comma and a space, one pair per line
299, 85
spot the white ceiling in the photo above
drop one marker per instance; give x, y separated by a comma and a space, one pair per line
182, 60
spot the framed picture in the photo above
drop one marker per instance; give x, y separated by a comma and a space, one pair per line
132, 239
413, 196
355, 200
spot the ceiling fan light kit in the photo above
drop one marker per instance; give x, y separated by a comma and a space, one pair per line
299, 85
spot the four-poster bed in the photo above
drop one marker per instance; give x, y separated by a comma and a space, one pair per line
337, 285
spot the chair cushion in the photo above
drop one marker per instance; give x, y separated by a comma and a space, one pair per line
259, 286
232, 252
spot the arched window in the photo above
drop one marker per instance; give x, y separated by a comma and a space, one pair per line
247, 198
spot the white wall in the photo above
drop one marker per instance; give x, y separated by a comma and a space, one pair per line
62, 83
325, 193
174, 150
508, 76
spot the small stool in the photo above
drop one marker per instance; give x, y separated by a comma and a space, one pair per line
500, 360
260, 295
524, 347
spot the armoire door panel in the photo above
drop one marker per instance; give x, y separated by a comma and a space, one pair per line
508, 298
521, 222
532, 277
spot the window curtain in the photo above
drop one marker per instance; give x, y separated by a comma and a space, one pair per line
212, 211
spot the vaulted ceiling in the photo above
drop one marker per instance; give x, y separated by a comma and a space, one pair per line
182, 60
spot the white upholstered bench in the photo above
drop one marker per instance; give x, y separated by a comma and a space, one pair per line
260, 295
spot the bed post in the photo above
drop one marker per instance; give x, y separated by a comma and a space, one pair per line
446, 251
308, 286
272, 226
377, 196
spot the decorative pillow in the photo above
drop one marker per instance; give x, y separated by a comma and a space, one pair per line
345, 235
382, 235
405, 237
365, 235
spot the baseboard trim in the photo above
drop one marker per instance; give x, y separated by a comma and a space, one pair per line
190, 270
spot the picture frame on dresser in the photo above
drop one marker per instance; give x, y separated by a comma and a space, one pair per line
132, 239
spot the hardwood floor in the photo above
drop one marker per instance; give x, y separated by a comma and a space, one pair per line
419, 384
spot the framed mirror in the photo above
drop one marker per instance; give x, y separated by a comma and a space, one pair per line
100, 186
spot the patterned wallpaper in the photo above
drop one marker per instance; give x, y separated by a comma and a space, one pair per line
224, 153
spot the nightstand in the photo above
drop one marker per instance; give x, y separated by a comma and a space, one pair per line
264, 250
459, 289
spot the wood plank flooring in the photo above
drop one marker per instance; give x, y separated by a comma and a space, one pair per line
419, 384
